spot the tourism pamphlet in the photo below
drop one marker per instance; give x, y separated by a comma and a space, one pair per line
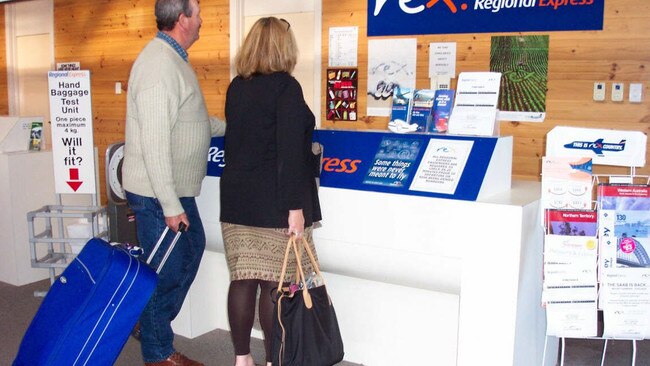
625, 300
36, 136
574, 319
570, 289
571, 222
624, 217
566, 183
442, 106
401, 111
422, 108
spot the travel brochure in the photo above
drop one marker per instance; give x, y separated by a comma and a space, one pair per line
36, 136
570, 289
571, 222
442, 106
566, 183
624, 216
625, 300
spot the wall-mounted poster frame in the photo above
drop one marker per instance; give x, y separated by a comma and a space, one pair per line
342, 91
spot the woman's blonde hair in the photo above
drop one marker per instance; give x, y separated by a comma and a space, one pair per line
269, 47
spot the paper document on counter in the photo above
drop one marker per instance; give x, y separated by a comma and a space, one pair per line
475, 107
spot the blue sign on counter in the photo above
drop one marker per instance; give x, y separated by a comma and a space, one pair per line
414, 164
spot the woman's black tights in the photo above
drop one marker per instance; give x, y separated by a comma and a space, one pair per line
241, 313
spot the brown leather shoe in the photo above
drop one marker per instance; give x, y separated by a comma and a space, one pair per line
176, 359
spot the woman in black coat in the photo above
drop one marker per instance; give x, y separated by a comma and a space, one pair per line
268, 191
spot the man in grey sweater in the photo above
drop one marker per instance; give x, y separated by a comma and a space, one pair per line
168, 133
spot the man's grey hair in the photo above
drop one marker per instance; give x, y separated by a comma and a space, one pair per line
167, 12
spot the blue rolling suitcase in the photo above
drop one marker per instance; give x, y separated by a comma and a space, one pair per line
88, 313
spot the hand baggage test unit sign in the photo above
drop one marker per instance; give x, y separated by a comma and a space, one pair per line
72, 131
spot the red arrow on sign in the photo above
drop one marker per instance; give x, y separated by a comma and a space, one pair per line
74, 181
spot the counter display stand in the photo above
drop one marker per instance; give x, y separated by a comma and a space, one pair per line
631, 178
623, 148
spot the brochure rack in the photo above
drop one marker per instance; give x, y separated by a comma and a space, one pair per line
624, 148
614, 178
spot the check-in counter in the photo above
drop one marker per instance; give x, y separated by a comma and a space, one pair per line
456, 279
26, 184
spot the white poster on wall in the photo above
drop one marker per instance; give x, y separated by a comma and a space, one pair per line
72, 132
343, 46
391, 64
442, 59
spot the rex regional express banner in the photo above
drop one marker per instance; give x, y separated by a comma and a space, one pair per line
408, 17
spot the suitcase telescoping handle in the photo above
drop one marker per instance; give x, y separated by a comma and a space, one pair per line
181, 228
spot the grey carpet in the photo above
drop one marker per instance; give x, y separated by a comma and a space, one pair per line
18, 305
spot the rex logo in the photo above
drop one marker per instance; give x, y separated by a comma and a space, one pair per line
337, 165
403, 4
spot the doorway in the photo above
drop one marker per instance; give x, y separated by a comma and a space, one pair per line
30, 55
305, 19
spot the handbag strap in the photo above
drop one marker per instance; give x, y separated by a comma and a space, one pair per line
312, 258
283, 271
291, 244
305, 294
285, 262
300, 274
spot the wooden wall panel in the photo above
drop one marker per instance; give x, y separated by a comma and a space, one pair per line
105, 36
618, 53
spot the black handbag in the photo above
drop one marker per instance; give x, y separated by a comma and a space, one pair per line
305, 329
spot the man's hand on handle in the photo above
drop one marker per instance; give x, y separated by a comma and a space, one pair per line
174, 221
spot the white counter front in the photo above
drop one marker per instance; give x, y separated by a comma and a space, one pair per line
26, 184
459, 279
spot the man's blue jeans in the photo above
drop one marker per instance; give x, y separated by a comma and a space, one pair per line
174, 280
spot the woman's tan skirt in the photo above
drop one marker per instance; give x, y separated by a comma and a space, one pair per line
257, 253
